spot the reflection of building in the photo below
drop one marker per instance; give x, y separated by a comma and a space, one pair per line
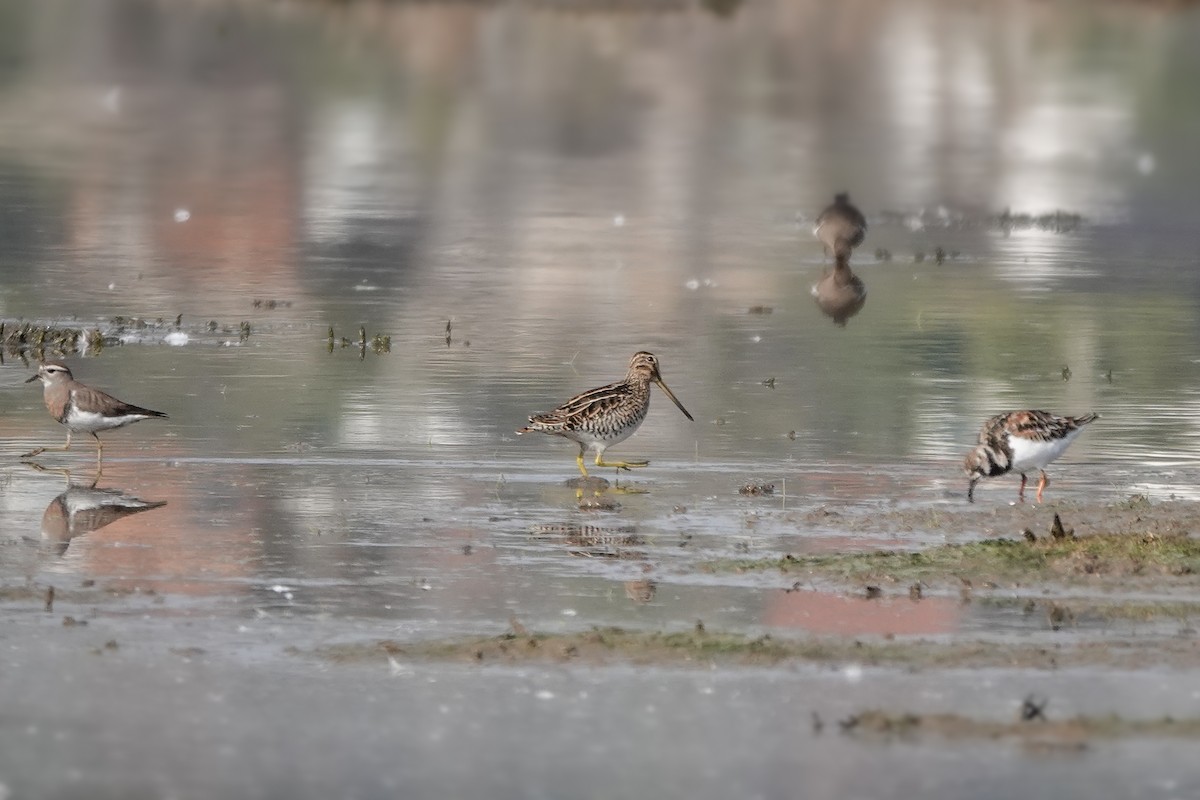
207, 203
160, 546
152, 131
842, 615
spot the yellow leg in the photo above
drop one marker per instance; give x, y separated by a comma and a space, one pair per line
579, 461
66, 473
99, 454
600, 462
36, 467
39, 450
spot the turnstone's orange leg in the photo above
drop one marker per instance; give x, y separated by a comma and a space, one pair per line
1042, 484
1021, 491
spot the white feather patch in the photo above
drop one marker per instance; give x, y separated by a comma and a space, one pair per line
79, 421
1030, 454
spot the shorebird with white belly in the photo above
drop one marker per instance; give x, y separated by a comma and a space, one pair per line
82, 409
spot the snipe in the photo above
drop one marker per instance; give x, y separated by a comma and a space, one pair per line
599, 418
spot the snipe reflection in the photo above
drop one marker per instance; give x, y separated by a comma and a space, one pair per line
593, 541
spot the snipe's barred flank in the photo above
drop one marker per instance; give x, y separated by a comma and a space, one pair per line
599, 418
1020, 441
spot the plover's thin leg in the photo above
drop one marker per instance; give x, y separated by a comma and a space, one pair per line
99, 451
37, 451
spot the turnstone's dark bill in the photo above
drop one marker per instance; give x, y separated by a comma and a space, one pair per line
1020, 441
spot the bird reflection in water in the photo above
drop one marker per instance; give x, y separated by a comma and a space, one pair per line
642, 591
593, 541
840, 294
84, 508
841, 227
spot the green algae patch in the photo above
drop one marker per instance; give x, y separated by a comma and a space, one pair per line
1098, 610
1095, 558
599, 645
1040, 730
699, 648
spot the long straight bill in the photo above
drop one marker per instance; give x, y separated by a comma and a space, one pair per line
674, 399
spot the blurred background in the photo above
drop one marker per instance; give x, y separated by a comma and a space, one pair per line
519, 196
570, 182
350, 246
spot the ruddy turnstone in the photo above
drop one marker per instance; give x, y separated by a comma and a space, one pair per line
1020, 441
841, 227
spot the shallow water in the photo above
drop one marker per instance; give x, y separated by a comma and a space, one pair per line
521, 198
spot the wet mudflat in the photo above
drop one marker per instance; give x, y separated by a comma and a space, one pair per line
448, 642
350, 250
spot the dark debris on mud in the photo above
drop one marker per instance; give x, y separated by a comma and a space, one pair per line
1038, 731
